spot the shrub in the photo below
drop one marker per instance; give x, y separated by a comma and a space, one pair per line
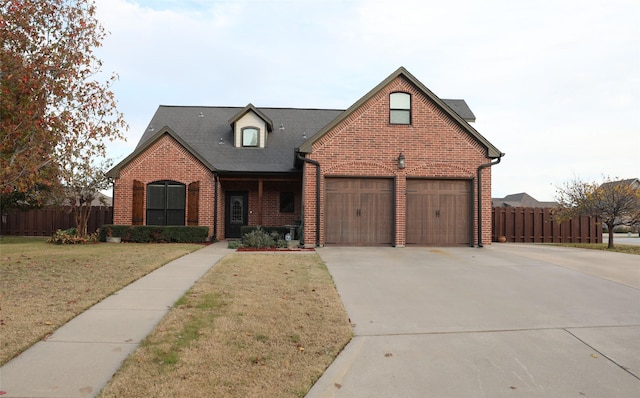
234, 244
69, 237
155, 233
65, 237
260, 238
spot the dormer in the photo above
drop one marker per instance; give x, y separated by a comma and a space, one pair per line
250, 128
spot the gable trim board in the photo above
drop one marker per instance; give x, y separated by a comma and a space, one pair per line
341, 165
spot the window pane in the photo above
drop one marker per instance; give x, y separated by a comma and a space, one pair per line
400, 101
250, 137
175, 217
237, 210
286, 202
155, 217
155, 196
176, 196
400, 117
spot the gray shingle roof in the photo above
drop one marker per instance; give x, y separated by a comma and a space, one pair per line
208, 134
460, 107
522, 199
203, 127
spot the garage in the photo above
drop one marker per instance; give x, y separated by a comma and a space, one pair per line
438, 212
359, 211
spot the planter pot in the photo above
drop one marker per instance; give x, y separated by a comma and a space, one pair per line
502, 239
113, 239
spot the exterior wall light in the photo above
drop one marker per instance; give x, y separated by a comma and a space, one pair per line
402, 162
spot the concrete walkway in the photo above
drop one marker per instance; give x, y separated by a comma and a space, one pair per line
81, 356
503, 321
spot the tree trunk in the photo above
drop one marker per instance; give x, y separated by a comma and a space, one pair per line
610, 227
81, 215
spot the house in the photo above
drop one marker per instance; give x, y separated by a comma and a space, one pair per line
522, 199
399, 167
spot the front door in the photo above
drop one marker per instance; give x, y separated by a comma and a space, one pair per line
236, 213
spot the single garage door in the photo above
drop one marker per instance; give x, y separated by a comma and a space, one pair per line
438, 212
359, 211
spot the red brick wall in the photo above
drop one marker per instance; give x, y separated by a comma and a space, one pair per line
365, 144
165, 159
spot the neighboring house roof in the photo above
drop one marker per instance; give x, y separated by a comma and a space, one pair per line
634, 182
100, 200
520, 200
446, 106
207, 132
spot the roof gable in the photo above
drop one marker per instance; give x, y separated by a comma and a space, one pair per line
251, 108
143, 146
492, 151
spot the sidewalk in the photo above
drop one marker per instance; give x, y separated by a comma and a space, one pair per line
81, 356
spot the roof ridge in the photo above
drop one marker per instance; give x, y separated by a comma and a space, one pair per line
257, 107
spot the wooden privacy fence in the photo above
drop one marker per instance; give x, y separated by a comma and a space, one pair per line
537, 225
44, 222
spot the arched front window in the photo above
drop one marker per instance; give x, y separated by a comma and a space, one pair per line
166, 203
400, 108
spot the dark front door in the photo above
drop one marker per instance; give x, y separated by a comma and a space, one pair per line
236, 213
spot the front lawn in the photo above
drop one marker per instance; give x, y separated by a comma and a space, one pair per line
42, 286
256, 325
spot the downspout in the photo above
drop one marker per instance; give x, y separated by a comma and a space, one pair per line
317, 164
214, 234
480, 168
113, 198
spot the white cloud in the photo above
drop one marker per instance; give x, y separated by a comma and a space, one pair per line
554, 84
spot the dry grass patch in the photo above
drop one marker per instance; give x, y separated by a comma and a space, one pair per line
256, 325
618, 248
43, 285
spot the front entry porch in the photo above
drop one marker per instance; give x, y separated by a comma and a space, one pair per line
257, 201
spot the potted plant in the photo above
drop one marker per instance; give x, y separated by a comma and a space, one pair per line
111, 238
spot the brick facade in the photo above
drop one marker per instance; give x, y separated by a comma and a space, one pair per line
366, 144
360, 142
165, 159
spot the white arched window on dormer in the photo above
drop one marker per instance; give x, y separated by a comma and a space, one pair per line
250, 136
400, 108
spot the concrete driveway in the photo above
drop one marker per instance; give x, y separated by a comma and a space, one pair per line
503, 321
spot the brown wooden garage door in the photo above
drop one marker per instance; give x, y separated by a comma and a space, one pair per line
438, 212
359, 211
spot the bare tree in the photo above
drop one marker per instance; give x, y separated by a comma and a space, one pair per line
616, 201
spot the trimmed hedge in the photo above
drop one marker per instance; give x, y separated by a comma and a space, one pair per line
155, 233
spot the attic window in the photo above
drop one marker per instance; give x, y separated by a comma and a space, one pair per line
400, 108
249, 136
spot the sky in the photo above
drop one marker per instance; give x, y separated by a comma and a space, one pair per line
554, 84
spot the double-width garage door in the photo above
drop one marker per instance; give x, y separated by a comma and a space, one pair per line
438, 212
360, 211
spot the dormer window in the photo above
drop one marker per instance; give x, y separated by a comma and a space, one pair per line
400, 108
250, 136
